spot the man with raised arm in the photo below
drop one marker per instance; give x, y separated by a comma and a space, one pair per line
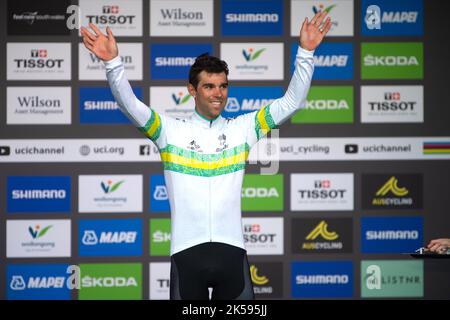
204, 160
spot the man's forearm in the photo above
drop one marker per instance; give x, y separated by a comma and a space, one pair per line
295, 97
136, 111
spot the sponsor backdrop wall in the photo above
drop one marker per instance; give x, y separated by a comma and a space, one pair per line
364, 173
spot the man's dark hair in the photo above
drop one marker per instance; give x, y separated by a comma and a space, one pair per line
210, 64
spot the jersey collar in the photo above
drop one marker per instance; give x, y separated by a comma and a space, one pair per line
203, 121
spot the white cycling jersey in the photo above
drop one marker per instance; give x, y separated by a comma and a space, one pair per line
204, 160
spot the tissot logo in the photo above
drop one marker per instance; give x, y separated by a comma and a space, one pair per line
122, 16
263, 235
322, 235
38, 61
400, 191
392, 104
321, 192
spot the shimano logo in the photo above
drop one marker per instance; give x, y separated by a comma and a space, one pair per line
331, 61
51, 194
174, 61
251, 17
322, 279
392, 235
400, 61
108, 282
100, 105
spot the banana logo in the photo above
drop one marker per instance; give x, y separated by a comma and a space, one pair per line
391, 185
322, 230
255, 278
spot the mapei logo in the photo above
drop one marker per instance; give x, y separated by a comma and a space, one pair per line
180, 98
257, 279
249, 55
39, 281
243, 100
393, 18
331, 61
322, 230
90, 237
117, 237
110, 186
37, 232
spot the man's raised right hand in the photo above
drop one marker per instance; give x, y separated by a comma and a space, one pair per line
103, 46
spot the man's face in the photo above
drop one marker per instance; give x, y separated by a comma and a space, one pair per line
211, 93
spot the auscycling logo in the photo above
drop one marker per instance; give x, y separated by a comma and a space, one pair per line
37, 232
322, 230
110, 187
251, 54
257, 279
180, 98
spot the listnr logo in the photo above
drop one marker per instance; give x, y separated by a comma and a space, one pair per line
180, 99
249, 55
109, 187
37, 232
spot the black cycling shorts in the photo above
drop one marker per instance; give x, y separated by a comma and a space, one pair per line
219, 266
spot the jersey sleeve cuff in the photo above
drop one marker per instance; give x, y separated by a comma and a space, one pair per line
111, 64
